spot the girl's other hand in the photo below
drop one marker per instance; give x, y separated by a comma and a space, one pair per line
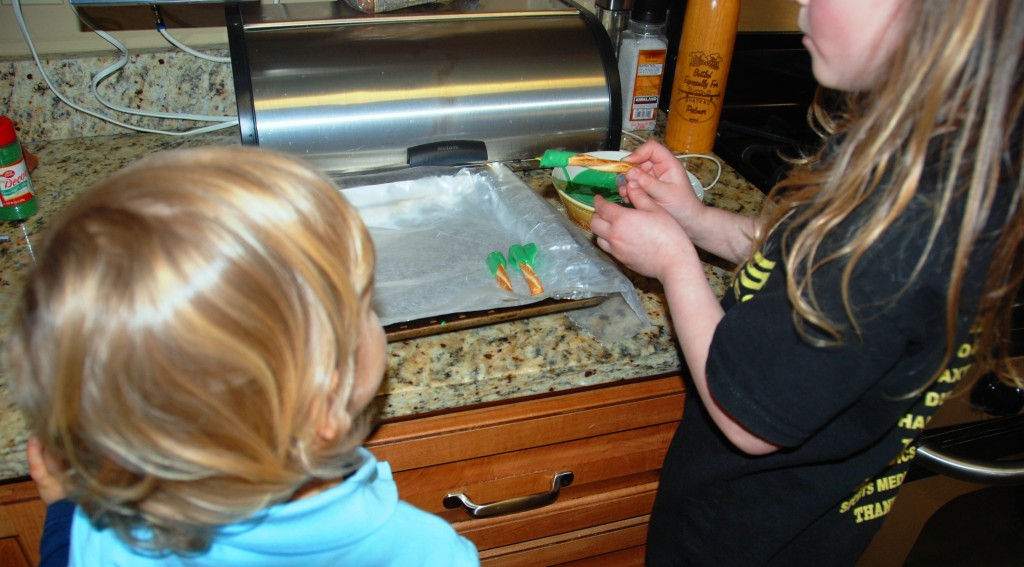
646, 238
44, 472
661, 176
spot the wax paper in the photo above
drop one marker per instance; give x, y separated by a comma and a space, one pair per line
434, 228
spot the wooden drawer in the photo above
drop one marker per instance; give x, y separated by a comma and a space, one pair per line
612, 439
618, 543
593, 526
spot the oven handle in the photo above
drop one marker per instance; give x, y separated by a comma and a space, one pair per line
937, 451
1000, 473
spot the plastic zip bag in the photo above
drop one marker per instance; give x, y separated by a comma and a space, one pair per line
433, 234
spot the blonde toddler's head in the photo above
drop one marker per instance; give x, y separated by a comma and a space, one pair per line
188, 324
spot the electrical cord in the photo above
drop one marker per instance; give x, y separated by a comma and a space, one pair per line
120, 64
718, 175
173, 41
162, 29
222, 122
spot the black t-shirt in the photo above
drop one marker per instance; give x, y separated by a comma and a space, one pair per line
841, 414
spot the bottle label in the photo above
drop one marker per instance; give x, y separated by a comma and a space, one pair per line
698, 96
643, 109
15, 184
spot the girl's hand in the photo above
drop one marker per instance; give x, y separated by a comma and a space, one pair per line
646, 238
661, 176
44, 472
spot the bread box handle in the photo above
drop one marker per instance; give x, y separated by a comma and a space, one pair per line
447, 153
516, 504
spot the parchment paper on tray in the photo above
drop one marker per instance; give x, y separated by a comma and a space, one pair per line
433, 235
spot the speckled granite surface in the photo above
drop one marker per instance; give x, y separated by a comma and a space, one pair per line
519, 358
152, 80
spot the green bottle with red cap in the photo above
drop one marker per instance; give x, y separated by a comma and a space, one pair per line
17, 194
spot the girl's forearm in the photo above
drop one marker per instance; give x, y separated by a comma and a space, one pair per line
696, 313
725, 234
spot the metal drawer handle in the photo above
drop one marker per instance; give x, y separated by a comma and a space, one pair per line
517, 504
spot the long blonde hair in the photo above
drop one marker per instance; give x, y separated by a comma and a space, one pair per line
955, 83
186, 323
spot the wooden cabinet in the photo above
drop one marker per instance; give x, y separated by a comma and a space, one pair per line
21, 524
612, 439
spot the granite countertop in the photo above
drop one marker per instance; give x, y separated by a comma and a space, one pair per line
512, 359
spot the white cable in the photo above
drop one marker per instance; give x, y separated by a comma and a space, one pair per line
718, 175
706, 156
102, 75
171, 39
636, 137
120, 64
16, 5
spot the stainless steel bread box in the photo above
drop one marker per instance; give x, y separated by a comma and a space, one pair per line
451, 83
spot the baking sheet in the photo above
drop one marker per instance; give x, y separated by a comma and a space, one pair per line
434, 229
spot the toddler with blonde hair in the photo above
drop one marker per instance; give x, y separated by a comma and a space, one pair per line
193, 351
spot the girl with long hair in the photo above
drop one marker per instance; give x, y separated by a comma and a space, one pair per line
879, 273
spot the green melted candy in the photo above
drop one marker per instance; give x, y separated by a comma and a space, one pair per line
588, 183
555, 158
525, 253
495, 260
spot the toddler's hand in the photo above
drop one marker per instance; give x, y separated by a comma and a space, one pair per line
41, 467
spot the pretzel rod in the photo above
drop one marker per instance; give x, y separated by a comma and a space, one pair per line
531, 279
556, 158
496, 263
522, 257
599, 164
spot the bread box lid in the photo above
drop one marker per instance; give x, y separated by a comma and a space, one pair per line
453, 83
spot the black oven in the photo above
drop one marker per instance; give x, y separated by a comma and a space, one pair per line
963, 501
764, 114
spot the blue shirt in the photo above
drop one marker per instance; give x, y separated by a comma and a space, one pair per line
360, 522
